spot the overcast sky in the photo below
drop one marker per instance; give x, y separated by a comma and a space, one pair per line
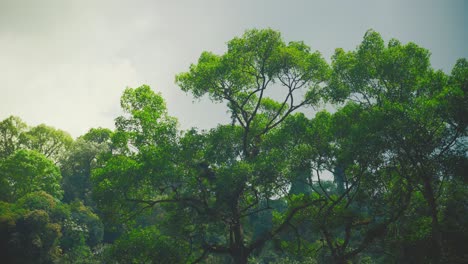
66, 63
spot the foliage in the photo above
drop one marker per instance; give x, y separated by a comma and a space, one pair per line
222, 176
379, 180
28, 234
146, 245
49, 141
27, 171
15, 135
11, 130
78, 162
409, 118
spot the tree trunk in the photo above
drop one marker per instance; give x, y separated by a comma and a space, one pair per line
238, 251
341, 261
240, 255
436, 248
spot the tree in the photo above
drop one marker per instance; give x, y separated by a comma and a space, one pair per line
146, 245
98, 135
27, 171
373, 192
15, 135
51, 142
29, 232
421, 133
241, 77
77, 163
221, 177
38, 228
11, 130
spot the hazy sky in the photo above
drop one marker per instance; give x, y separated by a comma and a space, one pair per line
66, 63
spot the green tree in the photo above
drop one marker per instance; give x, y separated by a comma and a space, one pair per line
11, 130
38, 228
47, 140
242, 78
27, 171
15, 135
29, 230
217, 179
421, 133
146, 245
98, 135
79, 160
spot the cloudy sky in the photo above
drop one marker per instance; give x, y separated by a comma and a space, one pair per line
66, 63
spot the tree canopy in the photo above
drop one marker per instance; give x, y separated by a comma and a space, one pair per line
380, 179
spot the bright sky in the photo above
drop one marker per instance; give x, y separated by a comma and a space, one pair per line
66, 63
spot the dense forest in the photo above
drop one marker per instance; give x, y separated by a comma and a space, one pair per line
380, 179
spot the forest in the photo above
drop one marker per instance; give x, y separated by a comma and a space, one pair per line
358, 159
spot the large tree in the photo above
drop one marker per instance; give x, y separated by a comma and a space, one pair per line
413, 118
217, 180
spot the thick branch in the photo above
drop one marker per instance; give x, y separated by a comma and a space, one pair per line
269, 235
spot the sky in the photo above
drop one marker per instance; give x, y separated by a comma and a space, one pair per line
66, 63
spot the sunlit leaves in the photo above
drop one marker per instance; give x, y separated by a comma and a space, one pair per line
11, 130
147, 121
374, 72
254, 63
28, 171
49, 141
